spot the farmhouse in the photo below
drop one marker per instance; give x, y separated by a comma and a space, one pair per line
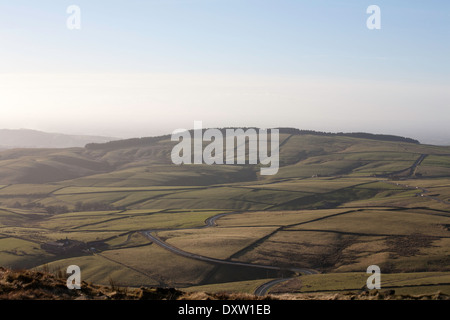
64, 246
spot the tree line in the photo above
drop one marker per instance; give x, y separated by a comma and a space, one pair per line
58, 209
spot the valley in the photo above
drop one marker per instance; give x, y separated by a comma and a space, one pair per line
337, 205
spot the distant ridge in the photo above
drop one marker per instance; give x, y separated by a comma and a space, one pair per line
362, 135
136, 142
26, 138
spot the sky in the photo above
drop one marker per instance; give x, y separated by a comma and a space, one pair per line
142, 68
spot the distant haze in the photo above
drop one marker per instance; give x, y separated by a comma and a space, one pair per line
137, 105
24, 138
145, 68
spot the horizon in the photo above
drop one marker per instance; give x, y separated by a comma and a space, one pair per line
146, 69
304, 131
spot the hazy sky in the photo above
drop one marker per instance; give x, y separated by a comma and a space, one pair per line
139, 68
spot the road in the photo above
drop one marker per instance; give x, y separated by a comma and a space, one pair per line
156, 240
211, 222
264, 288
412, 171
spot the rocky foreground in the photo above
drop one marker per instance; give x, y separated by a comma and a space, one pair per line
36, 285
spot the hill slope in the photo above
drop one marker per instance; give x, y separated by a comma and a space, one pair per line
339, 203
146, 161
20, 285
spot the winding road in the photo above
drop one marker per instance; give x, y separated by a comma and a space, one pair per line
211, 222
155, 239
264, 288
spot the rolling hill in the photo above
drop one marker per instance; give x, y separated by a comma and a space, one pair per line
146, 161
339, 203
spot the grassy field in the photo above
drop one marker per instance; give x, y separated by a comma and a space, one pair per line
403, 283
337, 205
21, 253
238, 286
219, 242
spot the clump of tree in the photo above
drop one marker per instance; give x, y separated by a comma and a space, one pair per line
29, 205
58, 209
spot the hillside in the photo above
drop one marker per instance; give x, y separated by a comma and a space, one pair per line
302, 154
339, 203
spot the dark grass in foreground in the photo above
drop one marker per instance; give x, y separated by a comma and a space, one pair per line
34, 285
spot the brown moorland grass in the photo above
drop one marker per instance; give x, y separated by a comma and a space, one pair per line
38, 285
